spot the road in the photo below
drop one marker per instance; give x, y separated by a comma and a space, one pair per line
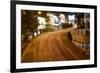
52, 46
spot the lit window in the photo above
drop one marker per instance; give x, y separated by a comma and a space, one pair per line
71, 18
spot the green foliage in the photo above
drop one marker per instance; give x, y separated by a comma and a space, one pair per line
49, 27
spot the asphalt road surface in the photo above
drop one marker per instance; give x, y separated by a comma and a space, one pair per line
52, 46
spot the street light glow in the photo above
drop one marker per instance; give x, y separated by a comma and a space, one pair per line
39, 12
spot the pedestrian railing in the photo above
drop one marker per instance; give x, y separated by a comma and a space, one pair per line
81, 38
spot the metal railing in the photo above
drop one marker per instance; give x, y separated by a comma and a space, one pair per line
81, 38
80, 32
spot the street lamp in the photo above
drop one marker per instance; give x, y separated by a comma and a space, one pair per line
39, 12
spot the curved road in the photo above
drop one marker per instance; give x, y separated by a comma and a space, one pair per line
52, 46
